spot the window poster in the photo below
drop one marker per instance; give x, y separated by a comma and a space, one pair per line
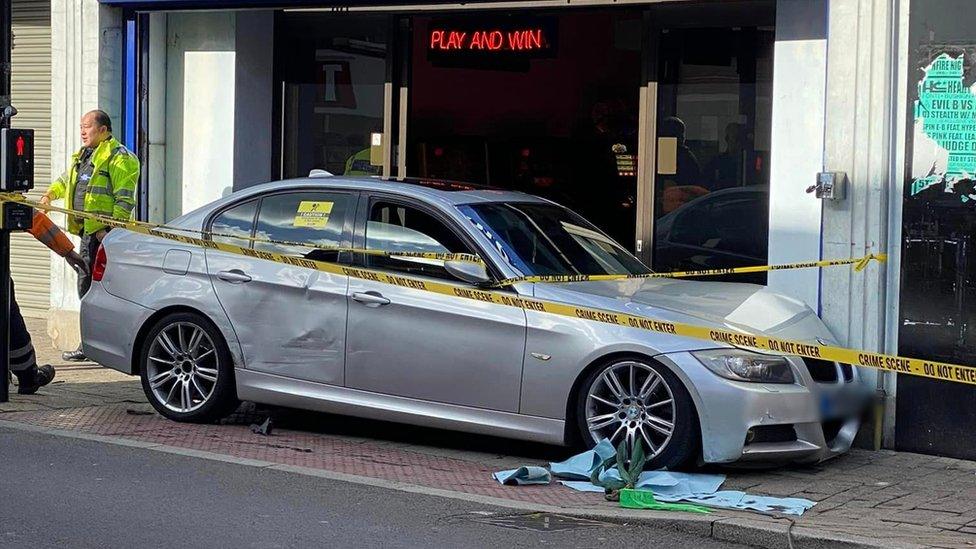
945, 129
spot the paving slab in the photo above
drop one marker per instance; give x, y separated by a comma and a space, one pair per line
866, 499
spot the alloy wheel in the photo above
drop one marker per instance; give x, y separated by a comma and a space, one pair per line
630, 400
182, 367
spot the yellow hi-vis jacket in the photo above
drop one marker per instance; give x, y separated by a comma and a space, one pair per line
111, 189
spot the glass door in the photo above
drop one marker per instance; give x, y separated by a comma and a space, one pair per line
710, 199
331, 70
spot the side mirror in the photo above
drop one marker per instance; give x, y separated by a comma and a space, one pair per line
468, 271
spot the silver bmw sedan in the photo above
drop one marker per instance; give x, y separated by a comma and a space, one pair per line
205, 328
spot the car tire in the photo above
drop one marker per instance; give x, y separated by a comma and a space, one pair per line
186, 369
597, 403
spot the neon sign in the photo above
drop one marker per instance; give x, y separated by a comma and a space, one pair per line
486, 42
527, 39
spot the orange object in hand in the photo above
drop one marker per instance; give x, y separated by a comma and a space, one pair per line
47, 233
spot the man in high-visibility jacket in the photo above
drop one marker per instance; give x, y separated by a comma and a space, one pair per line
101, 179
23, 362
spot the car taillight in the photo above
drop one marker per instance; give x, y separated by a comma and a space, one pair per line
98, 268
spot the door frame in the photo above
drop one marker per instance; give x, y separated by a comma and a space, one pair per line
643, 246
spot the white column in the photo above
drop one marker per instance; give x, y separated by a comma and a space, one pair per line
200, 93
86, 73
218, 101
858, 142
799, 82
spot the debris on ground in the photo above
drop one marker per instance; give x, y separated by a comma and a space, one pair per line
644, 499
524, 475
655, 488
264, 428
136, 412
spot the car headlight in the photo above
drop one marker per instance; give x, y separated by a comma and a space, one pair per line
747, 366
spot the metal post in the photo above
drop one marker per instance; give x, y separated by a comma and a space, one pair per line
5, 315
5, 69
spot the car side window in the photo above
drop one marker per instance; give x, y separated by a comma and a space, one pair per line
315, 218
235, 222
395, 227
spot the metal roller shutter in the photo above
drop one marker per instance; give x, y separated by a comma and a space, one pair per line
30, 261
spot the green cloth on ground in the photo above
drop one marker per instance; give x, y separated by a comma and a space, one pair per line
644, 499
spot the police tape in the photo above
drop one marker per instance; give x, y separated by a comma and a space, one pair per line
726, 336
859, 263
159, 230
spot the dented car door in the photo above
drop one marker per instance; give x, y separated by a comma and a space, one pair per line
291, 321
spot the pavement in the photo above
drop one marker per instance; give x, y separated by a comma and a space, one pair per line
865, 498
88, 494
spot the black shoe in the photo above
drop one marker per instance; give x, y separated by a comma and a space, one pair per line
74, 356
33, 379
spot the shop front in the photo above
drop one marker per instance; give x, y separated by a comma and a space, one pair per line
654, 121
570, 104
690, 131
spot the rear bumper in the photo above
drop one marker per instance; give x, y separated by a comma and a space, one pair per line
108, 328
755, 422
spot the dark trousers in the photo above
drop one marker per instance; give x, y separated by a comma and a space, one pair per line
21, 348
89, 246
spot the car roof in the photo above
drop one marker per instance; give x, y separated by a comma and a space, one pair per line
445, 192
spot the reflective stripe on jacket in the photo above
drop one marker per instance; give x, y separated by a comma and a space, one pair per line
47, 233
111, 190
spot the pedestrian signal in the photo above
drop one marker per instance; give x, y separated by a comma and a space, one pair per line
17, 160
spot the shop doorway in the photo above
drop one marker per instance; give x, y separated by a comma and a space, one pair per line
547, 104
714, 118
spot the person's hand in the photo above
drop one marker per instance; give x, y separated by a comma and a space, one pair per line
76, 262
99, 235
46, 200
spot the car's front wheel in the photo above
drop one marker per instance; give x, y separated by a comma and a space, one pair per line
186, 369
639, 400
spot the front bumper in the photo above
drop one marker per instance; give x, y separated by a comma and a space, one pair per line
805, 422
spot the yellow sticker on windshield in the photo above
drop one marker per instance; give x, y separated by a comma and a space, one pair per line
313, 214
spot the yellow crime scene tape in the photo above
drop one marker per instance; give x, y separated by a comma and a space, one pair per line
913, 366
158, 230
860, 263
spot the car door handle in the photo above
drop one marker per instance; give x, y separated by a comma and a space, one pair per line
235, 276
370, 298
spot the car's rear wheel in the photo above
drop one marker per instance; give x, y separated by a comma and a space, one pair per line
636, 399
186, 369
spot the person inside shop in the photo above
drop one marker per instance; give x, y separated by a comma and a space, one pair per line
101, 179
23, 361
686, 183
689, 169
725, 170
359, 164
738, 165
605, 167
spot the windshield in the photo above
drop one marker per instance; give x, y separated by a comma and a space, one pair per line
545, 239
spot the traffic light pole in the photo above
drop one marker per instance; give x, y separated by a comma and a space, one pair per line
5, 73
5, 315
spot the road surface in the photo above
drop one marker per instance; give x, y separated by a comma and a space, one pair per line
65, 492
